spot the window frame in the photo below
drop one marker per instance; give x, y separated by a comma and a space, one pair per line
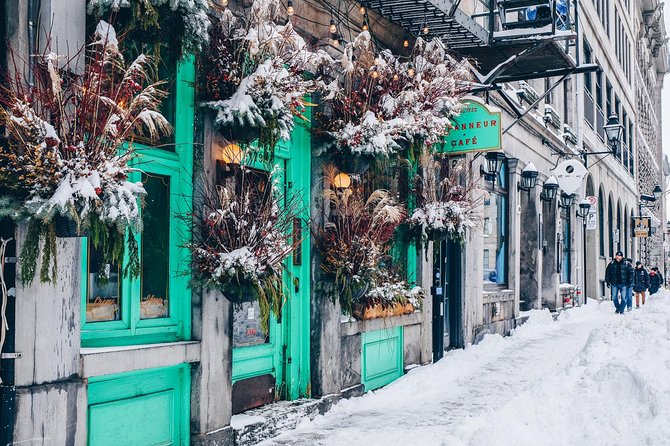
501, 189
178, 166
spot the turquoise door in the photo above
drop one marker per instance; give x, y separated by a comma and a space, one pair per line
276, 366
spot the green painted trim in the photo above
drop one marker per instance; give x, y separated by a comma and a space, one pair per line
292, 373
382, 357
178, 165
106, 391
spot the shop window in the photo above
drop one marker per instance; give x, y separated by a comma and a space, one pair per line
601, 223
497, 212
155, 306
566, 242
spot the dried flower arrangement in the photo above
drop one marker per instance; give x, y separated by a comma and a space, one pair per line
378, 104
192, 22
242, 237
444, 206
355, 245
65, 156
253, 74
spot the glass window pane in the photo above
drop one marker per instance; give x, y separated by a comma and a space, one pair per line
247, 329
155, 247
103, 297
495, 216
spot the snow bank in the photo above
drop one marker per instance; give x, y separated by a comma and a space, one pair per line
591, 378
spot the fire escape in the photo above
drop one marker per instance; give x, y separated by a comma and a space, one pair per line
508, 40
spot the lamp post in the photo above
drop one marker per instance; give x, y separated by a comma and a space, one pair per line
583, 212
647, 201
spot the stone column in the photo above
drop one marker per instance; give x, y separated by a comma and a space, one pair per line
550, 276
514, 232
530, 256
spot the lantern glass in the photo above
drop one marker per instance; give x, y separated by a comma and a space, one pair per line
613, 130
494, 162
567, 200
584, 207
657, 192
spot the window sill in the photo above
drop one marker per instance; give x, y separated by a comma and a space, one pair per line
97, 361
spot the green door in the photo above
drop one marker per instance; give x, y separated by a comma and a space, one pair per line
267, 368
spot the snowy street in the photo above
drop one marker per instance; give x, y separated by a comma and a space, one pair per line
593, 377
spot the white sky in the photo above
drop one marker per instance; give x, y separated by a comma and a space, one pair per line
666, 97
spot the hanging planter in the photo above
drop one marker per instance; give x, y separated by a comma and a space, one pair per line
378, 105
242, 238
444, 205
354, 245
153, 19
67, 162
253, 75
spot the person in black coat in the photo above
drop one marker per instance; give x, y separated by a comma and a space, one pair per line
619, 275
655, 281
641, 283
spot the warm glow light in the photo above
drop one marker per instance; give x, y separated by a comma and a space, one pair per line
362, 10
426, 30
396, 77
405, 43
333, 28
374, 74
342, 181
289, 8
232, 154
224, 3
365, 26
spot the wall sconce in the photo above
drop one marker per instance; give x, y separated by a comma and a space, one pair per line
342, 181
614, 131
567, 201
657, 192
583, 209
494, 161
549, 189
528, 178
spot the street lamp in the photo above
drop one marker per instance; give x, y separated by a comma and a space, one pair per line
528, 178
657, 192
647, 201
494, 162
583, 212
566, 201
549, 189
614, 132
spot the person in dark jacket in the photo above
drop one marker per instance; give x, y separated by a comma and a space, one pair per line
618, 276
629, 290
655, 281
641, 283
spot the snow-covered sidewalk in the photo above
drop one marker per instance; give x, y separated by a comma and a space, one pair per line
593, 377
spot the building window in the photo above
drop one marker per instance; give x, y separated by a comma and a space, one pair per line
601, 222
497, 212
610, 225
566, 238
589, 109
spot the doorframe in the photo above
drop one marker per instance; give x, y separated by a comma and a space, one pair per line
291, 366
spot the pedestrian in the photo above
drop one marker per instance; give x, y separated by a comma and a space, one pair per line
629, 289
619, 276
655, 281
641, 283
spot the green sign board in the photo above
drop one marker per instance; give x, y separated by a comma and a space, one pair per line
476, 129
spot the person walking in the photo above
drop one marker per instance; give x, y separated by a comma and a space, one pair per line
618, 277
641, 284
655, 281
629, 289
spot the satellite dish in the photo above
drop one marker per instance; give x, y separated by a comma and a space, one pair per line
570, 174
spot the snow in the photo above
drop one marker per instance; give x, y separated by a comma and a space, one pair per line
591, 378
240, 421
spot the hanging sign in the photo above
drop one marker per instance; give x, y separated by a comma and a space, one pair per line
478, 128
569, 175
642, 226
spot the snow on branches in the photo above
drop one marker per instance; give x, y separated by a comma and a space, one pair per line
243, 236
444, 206
377, 103
64, 139
193, 13
253, 74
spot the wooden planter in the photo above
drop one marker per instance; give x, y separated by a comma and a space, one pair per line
377, 311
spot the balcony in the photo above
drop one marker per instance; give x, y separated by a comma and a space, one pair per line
509, 40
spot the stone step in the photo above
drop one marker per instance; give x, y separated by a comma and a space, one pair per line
256, 425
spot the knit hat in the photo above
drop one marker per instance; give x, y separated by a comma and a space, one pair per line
638, 263
619, 253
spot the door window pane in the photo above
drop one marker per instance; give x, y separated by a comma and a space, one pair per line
495, 268
247, 330
103, 297
155, 247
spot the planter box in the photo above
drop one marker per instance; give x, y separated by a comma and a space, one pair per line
377, 311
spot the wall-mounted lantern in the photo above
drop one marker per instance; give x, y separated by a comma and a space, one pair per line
614, 131
567, 200
583, 209
528, 178
549, 189
494, 161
